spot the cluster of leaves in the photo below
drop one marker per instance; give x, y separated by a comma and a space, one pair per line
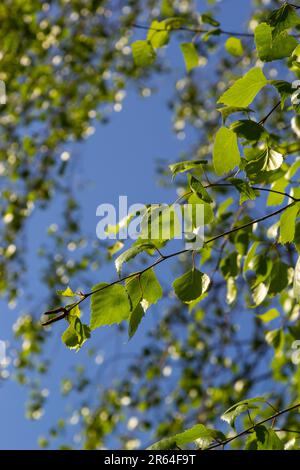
246, 267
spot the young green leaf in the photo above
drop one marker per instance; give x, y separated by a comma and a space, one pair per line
267, 439
267, 160
287, 224
269, 315
182, 167
198, 189
131, 253
244, 189
259, 293
249, 130
227, 111
143, 53
208, 19
194, 200
109, 305
144, 287
135, 319
236, 410
275, 199
203, 435
271, 48
77, 333
67, 292
226, 154
284, 88
234, 47
190, 286
190, 55
275, 338
158, 36
285, 18
244, 90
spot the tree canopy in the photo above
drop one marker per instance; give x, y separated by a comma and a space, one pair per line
220, 365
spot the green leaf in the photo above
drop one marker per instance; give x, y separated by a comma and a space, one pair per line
143, 290
273, 161
131, 253
249, 258
271, 48
269, 315
144, 287
284, 88
259, 293
77, 333
244, 90
234, 47
203, 435
226, 155
198, 189
208, 19
227, 111
167, 8
244, 189
229, 266
275, 199
236, 410
267, 439
190, 55
109, 305
158, 36
267, 160
187, 165
161, 222
284, 18
190, 286
174, 22
165, 444
135, 319
287, 224
67, 292
231, 293
143, 53
275, 338
211, 32
207, 208
249, 130
280, 277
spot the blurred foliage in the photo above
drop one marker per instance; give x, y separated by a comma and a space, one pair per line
229, 333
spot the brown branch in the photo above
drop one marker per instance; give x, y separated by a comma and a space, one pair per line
246, 431
192, 30
264, 119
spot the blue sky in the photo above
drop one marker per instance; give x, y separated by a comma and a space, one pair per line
119, 159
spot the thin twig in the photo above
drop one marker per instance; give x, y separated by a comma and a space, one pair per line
264, 119
192, 30
246, 431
